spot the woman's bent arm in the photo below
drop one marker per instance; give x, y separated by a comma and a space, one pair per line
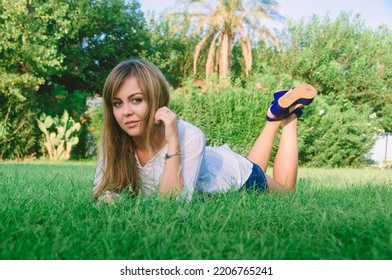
171, 181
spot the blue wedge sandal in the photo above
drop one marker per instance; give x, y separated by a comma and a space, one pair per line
283, 115
283, 100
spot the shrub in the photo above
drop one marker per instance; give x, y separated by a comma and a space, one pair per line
96, 115
17, 134
232, 116
341, 58
336, 135
329, 135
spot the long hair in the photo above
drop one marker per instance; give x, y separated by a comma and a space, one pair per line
117, 148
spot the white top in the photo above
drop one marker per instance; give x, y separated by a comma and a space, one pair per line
206, 169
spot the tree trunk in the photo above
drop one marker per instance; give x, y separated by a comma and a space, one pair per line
224, 58
247, 54
197, 52
211, 56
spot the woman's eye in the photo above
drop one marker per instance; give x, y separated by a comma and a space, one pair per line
137, 100
116, 103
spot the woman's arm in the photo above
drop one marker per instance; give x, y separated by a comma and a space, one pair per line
171, 180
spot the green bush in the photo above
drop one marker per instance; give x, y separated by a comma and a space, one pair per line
96, 115
336, 135
342, 58
29, 37
329, 135
53, 100
17, 130
232, 116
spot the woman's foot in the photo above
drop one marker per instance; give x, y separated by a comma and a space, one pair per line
286, 99
272, 118
293, 110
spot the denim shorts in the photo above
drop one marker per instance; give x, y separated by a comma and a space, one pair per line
257, 180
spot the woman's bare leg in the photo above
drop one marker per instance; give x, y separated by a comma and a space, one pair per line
261, 150
286, 159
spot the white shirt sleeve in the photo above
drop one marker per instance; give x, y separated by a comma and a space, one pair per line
192, 157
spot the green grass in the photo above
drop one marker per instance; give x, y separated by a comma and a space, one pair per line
47, 212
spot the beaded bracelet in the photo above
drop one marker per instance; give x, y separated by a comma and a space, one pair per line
171, 155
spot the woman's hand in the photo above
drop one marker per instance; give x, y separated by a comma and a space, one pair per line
169, 120
109, 198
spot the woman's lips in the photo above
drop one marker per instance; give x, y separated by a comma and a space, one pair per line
131, 124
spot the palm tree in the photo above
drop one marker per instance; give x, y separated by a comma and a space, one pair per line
222, 23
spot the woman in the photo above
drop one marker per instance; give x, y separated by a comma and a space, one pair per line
145, 149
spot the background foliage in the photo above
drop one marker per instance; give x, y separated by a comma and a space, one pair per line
329, 135
29, 33
55, 54
344, 60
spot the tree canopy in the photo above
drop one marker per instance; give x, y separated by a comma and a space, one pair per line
102, 34
58, 53
221, 24
29, 36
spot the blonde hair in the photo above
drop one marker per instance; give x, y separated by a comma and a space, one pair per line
117, 148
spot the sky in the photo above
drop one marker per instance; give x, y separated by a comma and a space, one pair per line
373, 12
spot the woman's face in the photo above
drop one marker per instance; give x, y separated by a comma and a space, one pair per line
130, 107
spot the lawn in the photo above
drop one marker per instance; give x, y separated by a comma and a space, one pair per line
47, 212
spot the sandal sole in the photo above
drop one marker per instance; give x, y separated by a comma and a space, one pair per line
303, 91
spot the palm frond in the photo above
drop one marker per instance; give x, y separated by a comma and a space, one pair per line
243, 20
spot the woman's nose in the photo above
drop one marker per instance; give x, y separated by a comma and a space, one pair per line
127, 110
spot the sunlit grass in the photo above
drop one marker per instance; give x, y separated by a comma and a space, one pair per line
47, 212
